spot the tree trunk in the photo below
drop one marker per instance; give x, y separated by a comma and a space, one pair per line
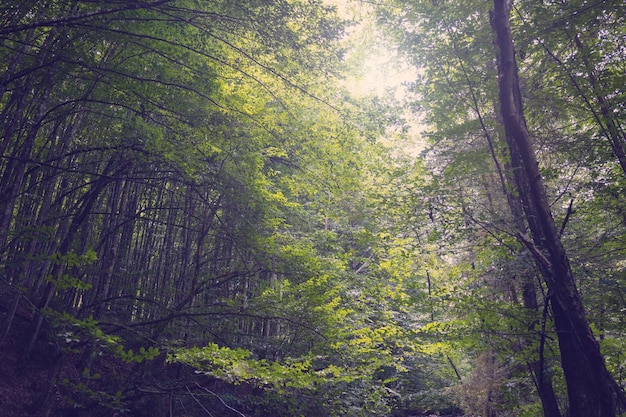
589, 384
542, 373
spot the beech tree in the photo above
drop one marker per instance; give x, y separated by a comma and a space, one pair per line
185, 202
197, 217
591, 389
485, 199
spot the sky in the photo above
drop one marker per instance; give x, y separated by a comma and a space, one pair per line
377, 65
378, 68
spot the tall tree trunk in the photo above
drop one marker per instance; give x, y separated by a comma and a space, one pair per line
589, 384
19, 131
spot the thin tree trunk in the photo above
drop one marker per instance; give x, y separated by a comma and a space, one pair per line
81, 217
8, 321
589, 385
543, 377
28, 111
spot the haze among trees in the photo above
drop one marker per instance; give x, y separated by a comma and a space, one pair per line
198, 217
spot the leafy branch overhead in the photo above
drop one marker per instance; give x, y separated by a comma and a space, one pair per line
198, 216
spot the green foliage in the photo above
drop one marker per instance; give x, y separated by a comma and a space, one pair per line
188, 177
110, 402
72, 330
237, 366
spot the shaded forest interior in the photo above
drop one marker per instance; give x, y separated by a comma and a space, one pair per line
199, 217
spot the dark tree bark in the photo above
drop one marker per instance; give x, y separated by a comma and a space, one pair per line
543, 377
590, 387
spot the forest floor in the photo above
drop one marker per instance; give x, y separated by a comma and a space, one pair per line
21, 381
35, 385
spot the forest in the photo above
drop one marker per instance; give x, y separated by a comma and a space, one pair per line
201, 216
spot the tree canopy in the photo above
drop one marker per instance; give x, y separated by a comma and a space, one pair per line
199, 217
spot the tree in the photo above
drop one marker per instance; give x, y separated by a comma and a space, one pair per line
591, 389
141, 165
453, 47
190, 198
187, 204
